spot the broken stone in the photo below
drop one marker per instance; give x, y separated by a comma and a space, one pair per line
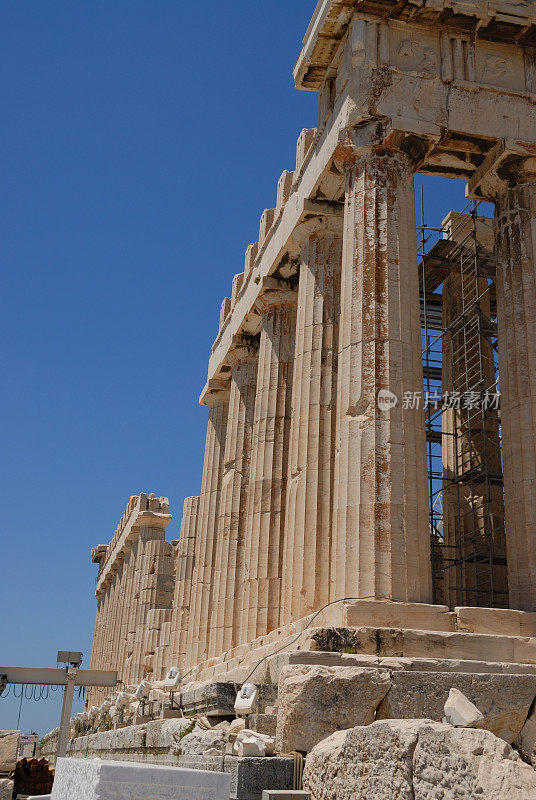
526, 741
254, 744
199, 741
315, 701
460, 712
235, 727
504, 700
248, 745
159, 733
416, 760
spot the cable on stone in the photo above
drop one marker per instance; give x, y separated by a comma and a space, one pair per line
316, 614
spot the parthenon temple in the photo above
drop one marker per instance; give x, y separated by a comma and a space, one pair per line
337, 478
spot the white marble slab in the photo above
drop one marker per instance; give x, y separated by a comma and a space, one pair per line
93, 779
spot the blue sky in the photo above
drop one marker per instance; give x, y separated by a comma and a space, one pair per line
140, 143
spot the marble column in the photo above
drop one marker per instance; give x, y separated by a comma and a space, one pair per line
96, 651
515, 204
473, 508
127, 601
109, 659
183, 582
205, 550
307, 547
381, 539
135, 615
269, 463
231, 533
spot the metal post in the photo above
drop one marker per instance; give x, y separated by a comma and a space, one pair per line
63, 739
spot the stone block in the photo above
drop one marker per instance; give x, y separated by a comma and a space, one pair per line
210, 699
199, 741
6, 789
504, 700
384, 614
284, 188
249, 776
292, 794
249, 746
156, 597
397, 642
89, 779
316, 701
166, 734
267, 220
460, 712
238, 280
266, 696
416, 759
303, 146
9, 749
225, 309
163, 583
264, 723
277, 663
251, 255
496, 621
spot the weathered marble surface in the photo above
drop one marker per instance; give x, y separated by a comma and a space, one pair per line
92, 779
416, 760
9, 748
6, 789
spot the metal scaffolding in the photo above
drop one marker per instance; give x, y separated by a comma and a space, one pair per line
462, 413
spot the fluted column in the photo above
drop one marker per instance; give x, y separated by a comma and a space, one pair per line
183, 582
269, 463
229, 562
205, 551
307, 547
109, 655
96, 655
516, 311
135, 616
104, 599
126, 602
473, 507
381, 539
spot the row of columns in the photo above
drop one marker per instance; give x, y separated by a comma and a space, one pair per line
315, 480
138, 584
317, 492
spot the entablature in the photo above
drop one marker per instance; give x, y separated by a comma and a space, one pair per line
503, 21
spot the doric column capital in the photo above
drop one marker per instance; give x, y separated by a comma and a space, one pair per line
276, 292
153, 519
381, 137
216, 392
98, 553
506, 166
321, 218
243, 348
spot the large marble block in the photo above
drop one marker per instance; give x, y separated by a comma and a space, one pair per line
6, 789
93, 779
9, 748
